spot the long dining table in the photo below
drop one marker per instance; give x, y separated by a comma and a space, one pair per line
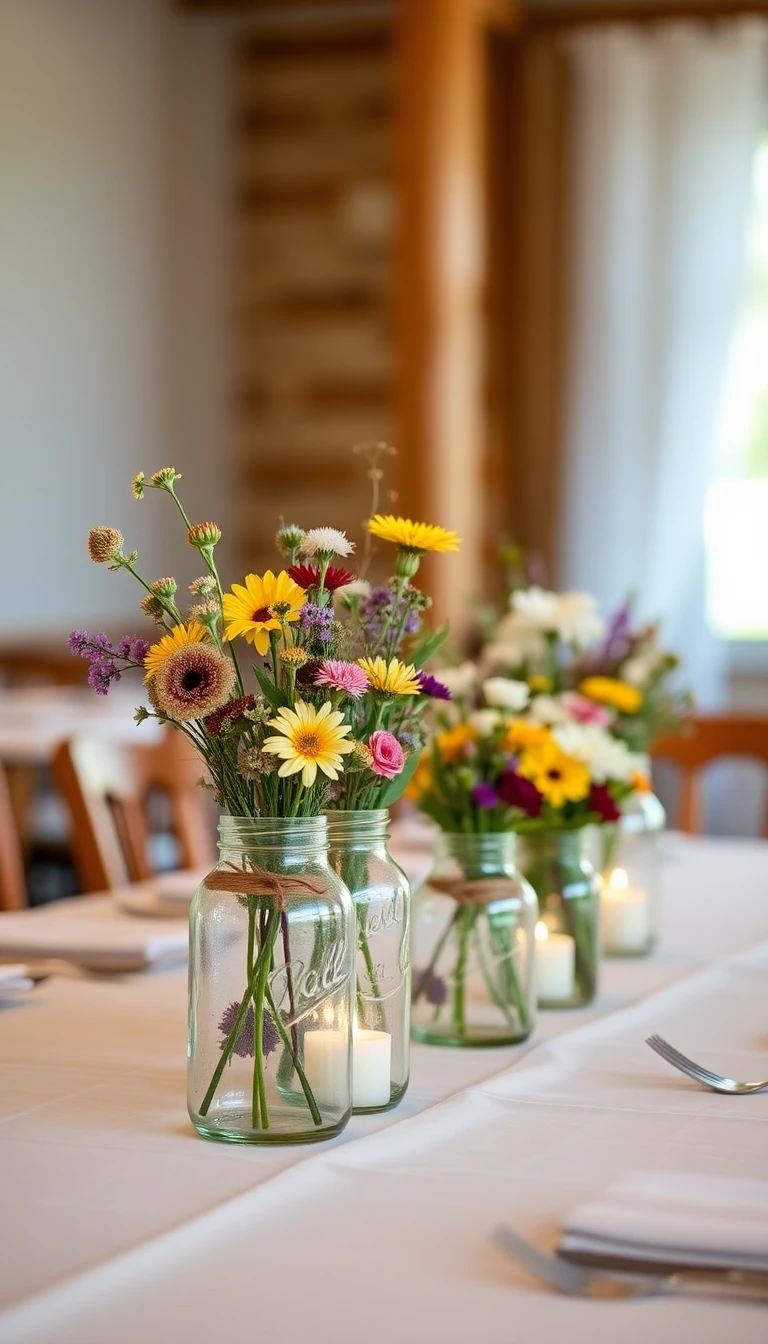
120, 1224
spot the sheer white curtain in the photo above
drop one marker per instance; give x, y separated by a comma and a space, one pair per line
666, 120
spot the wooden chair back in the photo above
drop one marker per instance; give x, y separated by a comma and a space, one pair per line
13, 887
711, 739
106, 786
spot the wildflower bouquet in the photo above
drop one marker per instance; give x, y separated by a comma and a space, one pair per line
330, 716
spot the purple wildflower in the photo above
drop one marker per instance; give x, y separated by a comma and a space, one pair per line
485, 796
375, 610
244, 1044
317, 621
432, 687
101, 675
132, 648
432, 986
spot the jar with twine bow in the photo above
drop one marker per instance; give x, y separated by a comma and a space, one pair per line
271, 987
473, 945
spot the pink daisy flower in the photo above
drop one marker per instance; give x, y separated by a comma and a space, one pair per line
585, 711
341, 676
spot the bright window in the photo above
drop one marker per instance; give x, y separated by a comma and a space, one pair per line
736, 518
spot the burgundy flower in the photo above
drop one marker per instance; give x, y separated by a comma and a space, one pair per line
308, 576
516, 791
485, 795
601, 800
432, 687
233, 709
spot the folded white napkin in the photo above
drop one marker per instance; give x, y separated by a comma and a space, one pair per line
14, 978
675, 1219
91, 931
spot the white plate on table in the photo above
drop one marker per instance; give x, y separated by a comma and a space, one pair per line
167, 896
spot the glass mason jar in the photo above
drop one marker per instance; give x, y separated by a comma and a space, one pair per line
271, 987
567, 935
381, 896
473, 938
631, 866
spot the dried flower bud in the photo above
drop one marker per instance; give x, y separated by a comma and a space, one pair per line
165, 477
204, 535
361, 755
206, 612
105, 544
164, 587
152, 606
252, 763
138, 485
204, 586
141, 714
288, 539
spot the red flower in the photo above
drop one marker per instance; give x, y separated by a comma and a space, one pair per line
516, 791
601, 800
308, 576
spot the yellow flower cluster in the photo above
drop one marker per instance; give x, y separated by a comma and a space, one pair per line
610, 691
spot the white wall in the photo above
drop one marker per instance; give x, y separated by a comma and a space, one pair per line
111, 355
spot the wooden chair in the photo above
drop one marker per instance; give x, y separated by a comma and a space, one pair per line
106, 787
13, 887
711, 739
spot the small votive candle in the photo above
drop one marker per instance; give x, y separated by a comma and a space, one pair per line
371, 1068
625, 916
326, 1062
555, 964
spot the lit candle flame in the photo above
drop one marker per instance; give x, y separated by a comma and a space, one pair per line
618, 880
542, 932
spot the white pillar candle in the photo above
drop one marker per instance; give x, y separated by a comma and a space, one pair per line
371, 1067
326, 1064
625, 915
555, 963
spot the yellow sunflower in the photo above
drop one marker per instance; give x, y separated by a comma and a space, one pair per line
452, 744
559, 778
393, 678
179, 637
610, 691
249, 610
410, 536
521, 734
309, 740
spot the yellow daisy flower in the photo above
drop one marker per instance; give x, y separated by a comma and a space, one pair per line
522, 734
559, 778
410, 536
452, 744
309, 740
610, 691
178, 638
248, 610
540, 684
393, 678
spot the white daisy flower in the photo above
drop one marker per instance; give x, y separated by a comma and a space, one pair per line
357, 588
548, 710
505, 694
459, 680
326, 541
573, 616
485, 721
605, 757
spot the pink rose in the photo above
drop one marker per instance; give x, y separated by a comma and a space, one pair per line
388, 759
585, 711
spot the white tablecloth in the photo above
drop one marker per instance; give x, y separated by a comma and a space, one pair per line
120, 1224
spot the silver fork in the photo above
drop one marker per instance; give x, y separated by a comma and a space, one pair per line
701, 1075
579, 1281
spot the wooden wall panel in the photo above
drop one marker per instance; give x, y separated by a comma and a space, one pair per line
312, 245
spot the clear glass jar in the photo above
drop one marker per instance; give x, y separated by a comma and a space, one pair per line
271, 987
631, 865
473, 938
357, 850
567, 934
